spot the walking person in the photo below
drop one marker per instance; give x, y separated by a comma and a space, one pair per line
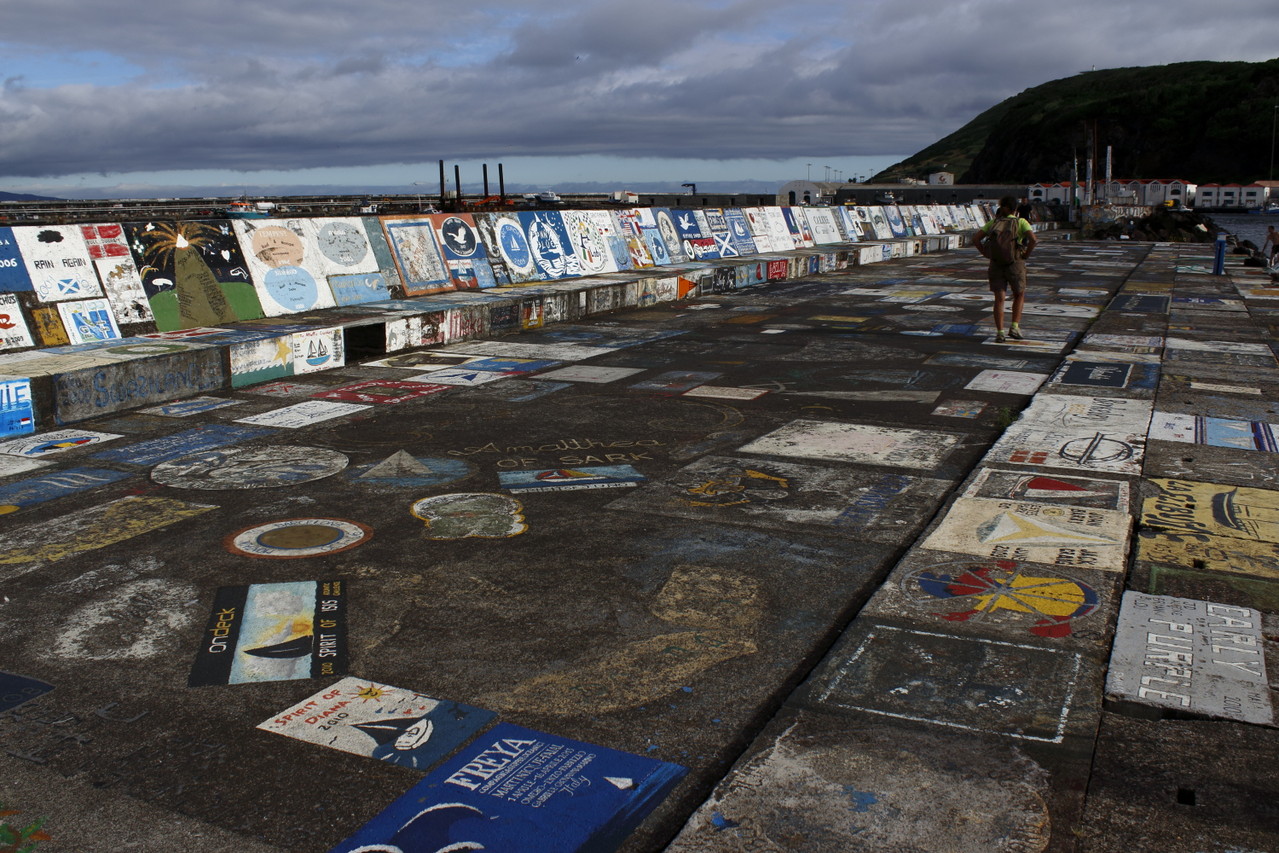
1007, 240
1270, 248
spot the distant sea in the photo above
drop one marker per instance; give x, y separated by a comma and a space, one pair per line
1244, 226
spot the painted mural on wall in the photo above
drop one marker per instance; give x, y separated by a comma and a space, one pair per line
418, 255
591, 241
464, 253
57, 262
14, 333
117, 272
193, 273
549, 244
13, 270
288, 262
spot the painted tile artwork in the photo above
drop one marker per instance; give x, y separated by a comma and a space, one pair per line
273, 632
1190, 509
1055, 489
57, 261
193, 273
45, 487
521, 791
1089, 433
184, 443
17, 411
1006, 382
376, 720
13, 326
88, 320
1215, 432
1045, 603
303, 414
570, 479
295, 538
262, 467
1190, 656
1057, 535
859, 443
58, 441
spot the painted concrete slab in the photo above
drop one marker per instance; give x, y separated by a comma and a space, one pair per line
1209, 553
519, 790
46, 487
858, 443
112, 388
1054, 534
720, 392
1023, 691
1069, 608
819, 784
879, 507
1057, 489
264, 467
190, 406
1191, 509
1007, 382
273, 632
1238, 347
179, 444
586, 373
570, 479
304, 414
382, 391
1216, 432
49, 443
555, 351
376, 720
1105, 434
28, 548
1190, 656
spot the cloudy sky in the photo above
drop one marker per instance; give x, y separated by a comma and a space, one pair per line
136, 97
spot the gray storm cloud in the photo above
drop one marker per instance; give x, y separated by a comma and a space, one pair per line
291, 85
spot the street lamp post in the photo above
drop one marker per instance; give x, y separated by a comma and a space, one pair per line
1273, 117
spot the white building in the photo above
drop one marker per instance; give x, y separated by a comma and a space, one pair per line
808, 192
1062, 192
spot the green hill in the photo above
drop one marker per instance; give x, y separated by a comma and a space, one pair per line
1200, 121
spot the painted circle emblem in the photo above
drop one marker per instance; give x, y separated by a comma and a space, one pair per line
459, 237
514, 245
298, 537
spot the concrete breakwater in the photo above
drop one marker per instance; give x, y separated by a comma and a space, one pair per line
276, 298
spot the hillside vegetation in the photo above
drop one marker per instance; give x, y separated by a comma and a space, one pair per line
1200, 121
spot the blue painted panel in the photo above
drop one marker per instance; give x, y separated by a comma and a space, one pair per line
16, 689
182, 444
514, 789
13, 271
17, 412
46, 487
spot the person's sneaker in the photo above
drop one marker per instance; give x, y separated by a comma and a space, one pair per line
1015, 334
1000, 337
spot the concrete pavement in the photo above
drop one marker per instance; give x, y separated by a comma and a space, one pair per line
821, 542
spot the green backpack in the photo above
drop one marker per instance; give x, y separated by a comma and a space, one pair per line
1002, 241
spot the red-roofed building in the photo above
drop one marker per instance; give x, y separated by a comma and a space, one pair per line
1241, 196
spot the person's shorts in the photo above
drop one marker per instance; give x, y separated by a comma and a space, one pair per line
1007, 278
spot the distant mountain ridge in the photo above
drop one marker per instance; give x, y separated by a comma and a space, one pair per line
1203, 122
24, 197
